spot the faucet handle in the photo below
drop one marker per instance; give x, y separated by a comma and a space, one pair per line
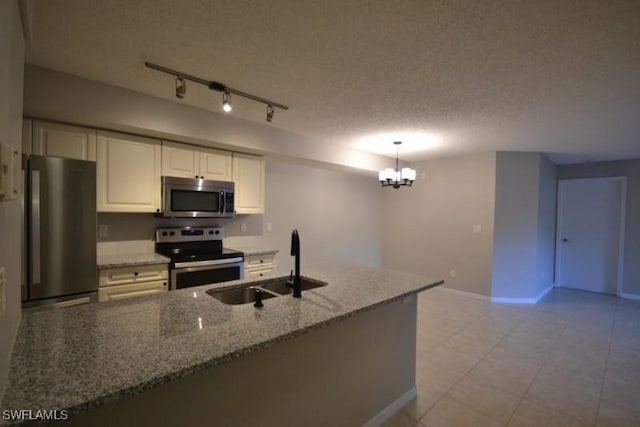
290, 281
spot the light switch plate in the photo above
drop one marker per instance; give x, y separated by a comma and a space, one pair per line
243, 227
477, 228
269, 227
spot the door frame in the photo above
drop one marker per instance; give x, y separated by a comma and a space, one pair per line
623, 204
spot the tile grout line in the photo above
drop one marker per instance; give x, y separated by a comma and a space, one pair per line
606, 366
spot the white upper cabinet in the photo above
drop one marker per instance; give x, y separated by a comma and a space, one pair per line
188, 161
129, 170
179, 160
248, 174
71, 142
215, 164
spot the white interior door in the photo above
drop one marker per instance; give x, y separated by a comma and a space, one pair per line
590, 224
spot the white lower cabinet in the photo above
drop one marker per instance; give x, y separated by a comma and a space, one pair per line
260, 266
114, 293
127, 282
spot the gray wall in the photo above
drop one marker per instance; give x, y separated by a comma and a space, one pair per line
57, 96
11, 75
428, 229
547, 202
338, 215
630, 169
523, 255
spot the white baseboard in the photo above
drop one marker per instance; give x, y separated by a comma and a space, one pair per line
523, 300
388, 412
463, 293
630, 296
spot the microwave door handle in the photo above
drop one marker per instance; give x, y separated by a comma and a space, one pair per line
222, 202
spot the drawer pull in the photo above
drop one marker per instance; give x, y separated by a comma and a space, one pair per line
261, 261
135, 273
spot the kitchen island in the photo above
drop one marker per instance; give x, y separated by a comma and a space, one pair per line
343, 354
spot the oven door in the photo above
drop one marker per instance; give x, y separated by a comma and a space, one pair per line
198, 274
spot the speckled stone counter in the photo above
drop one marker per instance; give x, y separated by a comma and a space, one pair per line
129, 260
82, 357
254, 250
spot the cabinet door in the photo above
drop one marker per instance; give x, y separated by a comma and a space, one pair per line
180, 160
215, 164
248, 174
71, 142
114, 293
128, 173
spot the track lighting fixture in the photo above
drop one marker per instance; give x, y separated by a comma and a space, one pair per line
397, 178
181, 87
181, 90
270, 111
226, 102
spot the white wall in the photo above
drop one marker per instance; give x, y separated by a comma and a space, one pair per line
11, 77
338, 215
428, 229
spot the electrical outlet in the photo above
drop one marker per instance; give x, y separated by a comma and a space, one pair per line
452, 273
103, 230
3, 290
477, 228
269, 227
243, 227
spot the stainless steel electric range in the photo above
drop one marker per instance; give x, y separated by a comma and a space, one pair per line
197, 256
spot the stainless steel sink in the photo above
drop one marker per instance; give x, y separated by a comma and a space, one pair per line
238, 296
281, 285
270, 288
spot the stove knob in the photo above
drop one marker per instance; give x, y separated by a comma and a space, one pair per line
171, 233
210, 231
217, 231
164, 233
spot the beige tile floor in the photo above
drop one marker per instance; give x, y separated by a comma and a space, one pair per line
573, 359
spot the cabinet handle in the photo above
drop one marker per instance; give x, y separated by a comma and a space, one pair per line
201, 177
164, 284
197, 176
260, 274
261, 261
135, 273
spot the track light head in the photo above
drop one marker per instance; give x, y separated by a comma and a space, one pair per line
226, 102
270, 111
181, 87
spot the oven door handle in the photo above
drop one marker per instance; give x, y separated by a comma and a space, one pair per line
208, 262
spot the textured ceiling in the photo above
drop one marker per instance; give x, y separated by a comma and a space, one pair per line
451, 77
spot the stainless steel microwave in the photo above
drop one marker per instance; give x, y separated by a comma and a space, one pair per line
197, 198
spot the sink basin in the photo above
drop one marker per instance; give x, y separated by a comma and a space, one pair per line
238, 296
281, 285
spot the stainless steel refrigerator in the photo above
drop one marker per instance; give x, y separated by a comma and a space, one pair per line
60, 227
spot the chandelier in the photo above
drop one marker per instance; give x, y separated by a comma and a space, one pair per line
397, 178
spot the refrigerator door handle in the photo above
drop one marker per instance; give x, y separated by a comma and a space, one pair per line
35, 227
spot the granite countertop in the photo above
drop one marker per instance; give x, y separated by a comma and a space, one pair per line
254, 250
129, 260
86, 356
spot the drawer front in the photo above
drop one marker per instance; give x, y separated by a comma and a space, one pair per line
135, 274
258, 261
256, 274
114, 293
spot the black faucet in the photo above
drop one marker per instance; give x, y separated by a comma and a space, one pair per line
295, 251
